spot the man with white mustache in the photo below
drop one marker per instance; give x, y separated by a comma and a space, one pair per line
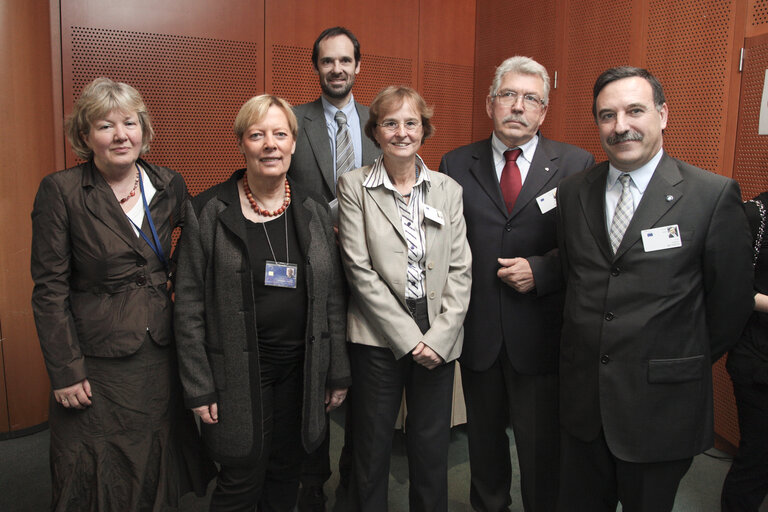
316, 165
657, 261
512, 328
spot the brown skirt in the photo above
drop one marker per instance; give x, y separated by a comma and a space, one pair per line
135, 448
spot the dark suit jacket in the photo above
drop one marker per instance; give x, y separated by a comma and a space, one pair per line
528, 324
641, 329
98, 287
311, 164
216, 328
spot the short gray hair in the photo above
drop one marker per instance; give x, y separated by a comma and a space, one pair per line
523, 66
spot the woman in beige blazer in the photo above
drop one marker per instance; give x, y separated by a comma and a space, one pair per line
405, 254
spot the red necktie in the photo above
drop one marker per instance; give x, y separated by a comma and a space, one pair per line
511, 183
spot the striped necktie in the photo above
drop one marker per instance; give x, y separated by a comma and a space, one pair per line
345, 153
623, 213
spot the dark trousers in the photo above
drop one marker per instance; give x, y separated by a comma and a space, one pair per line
746, 484
494, 398
594, 480
379, 380
272, 482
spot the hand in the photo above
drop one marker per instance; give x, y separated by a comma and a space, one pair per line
76, 396
517, 273
426, 357
208, 413
334, 398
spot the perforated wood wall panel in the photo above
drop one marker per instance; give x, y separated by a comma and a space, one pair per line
447, 87
688, 51
594, 45
751, 159
757, 19
506, 28
193, 88
294, 78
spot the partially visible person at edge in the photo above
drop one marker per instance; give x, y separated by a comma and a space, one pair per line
101, 242
408, 265
746, 484
260, 317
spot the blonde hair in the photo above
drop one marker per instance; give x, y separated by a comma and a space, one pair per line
255, 109
98, 99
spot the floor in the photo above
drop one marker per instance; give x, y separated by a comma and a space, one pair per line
25, 482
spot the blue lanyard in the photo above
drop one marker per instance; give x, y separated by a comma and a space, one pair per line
157, 248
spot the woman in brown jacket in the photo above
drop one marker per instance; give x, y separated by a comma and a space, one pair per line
100, 262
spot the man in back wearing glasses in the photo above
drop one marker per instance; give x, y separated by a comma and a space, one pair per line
512, 328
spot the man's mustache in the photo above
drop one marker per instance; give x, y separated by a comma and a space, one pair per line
628, 136
517, 118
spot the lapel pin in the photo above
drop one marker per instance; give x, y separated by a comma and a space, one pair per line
546, 169
670, 198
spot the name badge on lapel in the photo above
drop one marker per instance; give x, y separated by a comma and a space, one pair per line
665, 237
547, 200
434, 214
282, 275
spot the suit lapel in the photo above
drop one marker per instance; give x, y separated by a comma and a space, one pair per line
232, 216
386, 203
592, 197
317, 135
543, 168
484, 172
435, 197
101, 202
302, 218
660, 195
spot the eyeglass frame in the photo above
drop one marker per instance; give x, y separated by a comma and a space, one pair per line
392, 126
529, 99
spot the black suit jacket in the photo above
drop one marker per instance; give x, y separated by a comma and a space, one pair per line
311, 164
642, 328
528, 324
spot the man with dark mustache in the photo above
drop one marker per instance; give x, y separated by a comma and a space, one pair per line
512, 328
657, 259
330, 142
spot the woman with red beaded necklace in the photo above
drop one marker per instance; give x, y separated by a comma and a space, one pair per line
260, 317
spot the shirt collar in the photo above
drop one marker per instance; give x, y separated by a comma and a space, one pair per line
330, 110
378, 175
640, 176
529, 148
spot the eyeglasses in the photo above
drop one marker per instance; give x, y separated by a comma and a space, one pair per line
392, 126
509, 98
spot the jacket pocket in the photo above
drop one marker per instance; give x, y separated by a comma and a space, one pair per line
683, 369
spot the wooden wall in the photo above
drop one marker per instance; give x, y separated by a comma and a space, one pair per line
27, 154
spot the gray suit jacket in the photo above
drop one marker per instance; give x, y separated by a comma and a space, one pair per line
311, 164
375, 257
641, 329
215, 320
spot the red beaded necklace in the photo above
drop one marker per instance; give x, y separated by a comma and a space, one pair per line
133, 191
259, 210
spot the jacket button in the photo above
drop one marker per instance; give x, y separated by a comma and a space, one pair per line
605, 359
311, 339
141, 280
508, 227
609, 316
431, 295
430, 265
140, 262
615, 271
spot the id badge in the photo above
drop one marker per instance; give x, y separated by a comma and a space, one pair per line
282, 275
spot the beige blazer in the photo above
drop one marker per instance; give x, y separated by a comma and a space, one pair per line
374, 255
